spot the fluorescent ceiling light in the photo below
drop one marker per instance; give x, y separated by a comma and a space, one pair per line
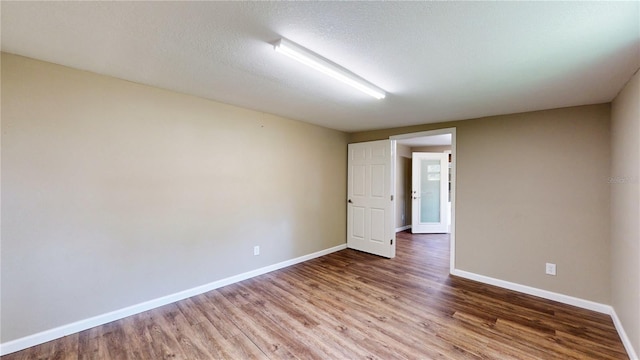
327, 67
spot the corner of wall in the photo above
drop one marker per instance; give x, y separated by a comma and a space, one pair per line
624, 182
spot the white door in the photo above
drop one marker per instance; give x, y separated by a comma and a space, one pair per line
430, 193
370, 204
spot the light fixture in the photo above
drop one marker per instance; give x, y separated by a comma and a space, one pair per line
327, 67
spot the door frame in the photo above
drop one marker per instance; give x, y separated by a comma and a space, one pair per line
454, 160
417, 226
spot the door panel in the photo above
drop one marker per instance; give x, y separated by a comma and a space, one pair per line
358, 222
359, 180
377, 225
378, 181
430, 190
369, 207
430, 193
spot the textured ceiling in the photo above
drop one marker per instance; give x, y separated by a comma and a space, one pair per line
438, 61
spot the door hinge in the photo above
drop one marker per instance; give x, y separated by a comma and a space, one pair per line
391, 197
391, 241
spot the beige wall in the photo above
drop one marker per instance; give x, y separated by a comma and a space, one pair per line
442, 148
625, 215
403, 185
532, 188
115, 193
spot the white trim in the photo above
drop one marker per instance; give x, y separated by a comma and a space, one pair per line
454, 196
550, 295
623, 336
64, 330
423, 133
403, 228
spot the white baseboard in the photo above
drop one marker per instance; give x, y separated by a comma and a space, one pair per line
550, 295
55, 333
403, 228
565, 299
623, 336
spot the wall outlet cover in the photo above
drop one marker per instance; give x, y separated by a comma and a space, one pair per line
550, 269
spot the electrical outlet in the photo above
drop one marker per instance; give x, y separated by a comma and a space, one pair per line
256, 250
550, 269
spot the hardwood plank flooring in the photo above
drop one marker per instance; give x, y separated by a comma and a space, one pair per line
352, 305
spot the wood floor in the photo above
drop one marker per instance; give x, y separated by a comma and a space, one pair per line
351, 305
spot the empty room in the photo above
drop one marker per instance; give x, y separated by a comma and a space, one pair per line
320, 180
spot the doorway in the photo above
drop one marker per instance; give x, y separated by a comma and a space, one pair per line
429, 197
436, 141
